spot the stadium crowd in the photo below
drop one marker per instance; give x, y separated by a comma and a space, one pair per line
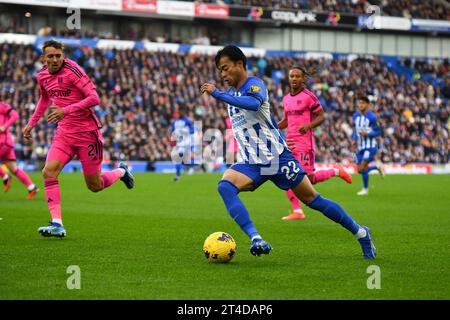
140, 91
433, 9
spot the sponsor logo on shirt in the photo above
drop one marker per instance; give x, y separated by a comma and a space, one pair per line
295, 112
59, 93
238, 121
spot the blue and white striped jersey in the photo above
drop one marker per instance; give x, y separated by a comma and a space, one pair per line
182, 129
257, 134
368, 123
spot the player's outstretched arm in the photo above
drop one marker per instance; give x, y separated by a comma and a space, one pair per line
244, 102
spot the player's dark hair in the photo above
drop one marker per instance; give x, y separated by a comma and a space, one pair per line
306, 71
365, 99
52, 43
233, 53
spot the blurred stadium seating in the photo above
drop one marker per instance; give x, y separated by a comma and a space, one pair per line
140, 90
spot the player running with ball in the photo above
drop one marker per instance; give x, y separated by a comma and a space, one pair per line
71, 95
303, 113
263, 154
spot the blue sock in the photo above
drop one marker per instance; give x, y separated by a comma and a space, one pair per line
371, 168
333, 211
229, 193
365, 177
178, 168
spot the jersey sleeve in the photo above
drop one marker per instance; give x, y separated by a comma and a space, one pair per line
376, 128
244, 101
314, 105
257, 89
82, 81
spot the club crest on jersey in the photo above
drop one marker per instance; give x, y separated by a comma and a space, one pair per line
255, 89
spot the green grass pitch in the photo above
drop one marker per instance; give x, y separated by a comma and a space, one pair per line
147, 243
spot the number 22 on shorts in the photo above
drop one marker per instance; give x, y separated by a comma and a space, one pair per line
290, 170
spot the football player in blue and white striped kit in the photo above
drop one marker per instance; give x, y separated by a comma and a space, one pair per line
264, 155
367, 129
182, 132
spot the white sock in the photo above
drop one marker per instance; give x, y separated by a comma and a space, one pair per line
336, 172
31, 187
361, 233
5, 177
122, 170
57, 221
298, 210
256, 237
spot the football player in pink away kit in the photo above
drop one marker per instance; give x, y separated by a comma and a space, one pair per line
303, 113
8, 116
71, 95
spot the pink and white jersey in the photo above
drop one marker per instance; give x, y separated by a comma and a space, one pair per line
68, 89
299, 110
7, 117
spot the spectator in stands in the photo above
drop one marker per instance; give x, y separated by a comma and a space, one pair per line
140, 90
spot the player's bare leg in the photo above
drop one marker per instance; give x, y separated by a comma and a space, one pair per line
101, 180
23, 177
94, 182
240, 180
229, 187
308, 195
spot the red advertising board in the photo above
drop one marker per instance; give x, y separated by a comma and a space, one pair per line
206, 10
148, 6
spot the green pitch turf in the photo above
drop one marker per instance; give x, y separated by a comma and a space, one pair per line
147, 243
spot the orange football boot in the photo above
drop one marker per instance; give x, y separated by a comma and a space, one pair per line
344, 175
7, 184
294, 216
32, 193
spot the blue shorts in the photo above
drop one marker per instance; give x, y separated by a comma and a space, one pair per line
366, 155
285, 174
